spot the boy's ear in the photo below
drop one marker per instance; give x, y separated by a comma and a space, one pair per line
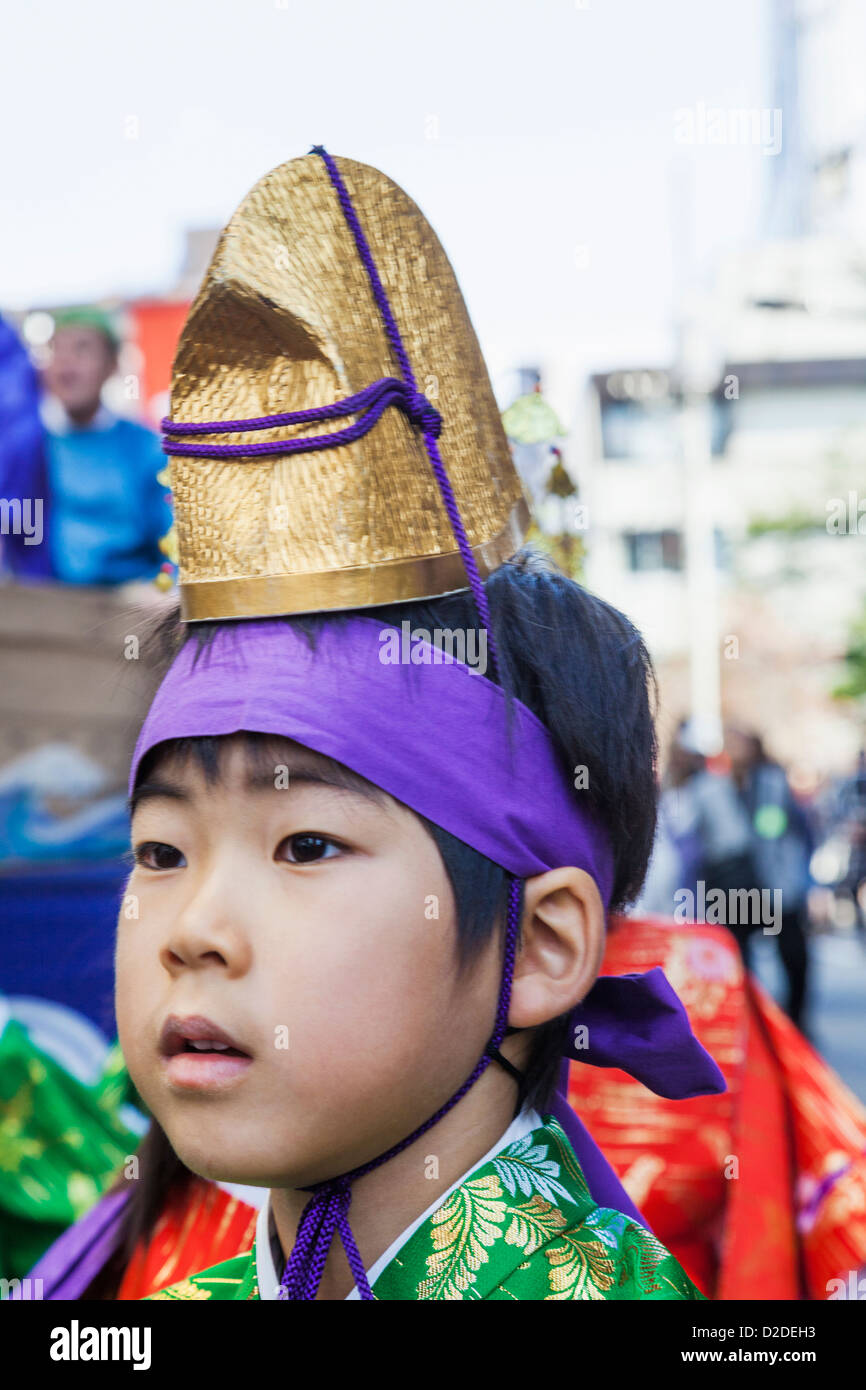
562, 944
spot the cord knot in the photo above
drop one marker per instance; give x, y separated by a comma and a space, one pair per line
422, 413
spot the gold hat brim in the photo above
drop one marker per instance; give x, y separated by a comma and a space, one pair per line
286, 320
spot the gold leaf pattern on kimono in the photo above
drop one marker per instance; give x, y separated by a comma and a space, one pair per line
15, 1142
82, 1192
579, 1269
566, 1154
483, 1243
463, 1230
36, 1071
534, 1223
186, 1288
33, 1188
646, 1253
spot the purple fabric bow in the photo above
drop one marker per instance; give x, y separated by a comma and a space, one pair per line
638, 1023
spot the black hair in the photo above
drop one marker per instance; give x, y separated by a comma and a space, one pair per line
584, 671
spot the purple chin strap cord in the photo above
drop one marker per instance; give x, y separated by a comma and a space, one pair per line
328, 1209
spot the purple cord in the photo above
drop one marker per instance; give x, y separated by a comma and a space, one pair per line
809, 1212
373, 400
328, 1209
409, 377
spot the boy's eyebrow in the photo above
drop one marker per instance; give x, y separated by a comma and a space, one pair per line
256, 781
147, 791
264, 781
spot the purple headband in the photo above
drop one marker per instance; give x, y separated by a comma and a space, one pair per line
402, 726
445, 741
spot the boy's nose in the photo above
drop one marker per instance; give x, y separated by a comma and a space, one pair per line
207, 932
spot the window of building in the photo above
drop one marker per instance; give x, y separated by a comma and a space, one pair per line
637, 430
653, 550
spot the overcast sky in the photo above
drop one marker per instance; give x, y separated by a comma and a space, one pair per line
538, 136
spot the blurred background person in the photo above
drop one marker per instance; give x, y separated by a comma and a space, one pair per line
703, 835
851, 825
781, 847
107, 510
676, 849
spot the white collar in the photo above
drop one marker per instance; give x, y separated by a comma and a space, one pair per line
269, 1280
57, 420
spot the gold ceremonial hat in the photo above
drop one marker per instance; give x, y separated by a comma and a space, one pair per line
286, 320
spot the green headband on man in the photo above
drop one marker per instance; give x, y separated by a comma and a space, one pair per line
89, 316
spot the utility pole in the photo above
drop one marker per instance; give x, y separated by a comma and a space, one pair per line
698, 376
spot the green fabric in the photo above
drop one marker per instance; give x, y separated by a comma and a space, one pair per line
523, 1226
61, 1145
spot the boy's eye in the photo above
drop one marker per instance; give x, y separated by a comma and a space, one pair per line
307, 848
152, 854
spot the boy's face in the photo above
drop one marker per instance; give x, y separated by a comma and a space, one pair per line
301, 921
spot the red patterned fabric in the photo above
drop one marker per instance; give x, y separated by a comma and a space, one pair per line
200, 1226
761, 1192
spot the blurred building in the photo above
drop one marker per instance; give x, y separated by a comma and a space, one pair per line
780, 493
771, 487
818, 184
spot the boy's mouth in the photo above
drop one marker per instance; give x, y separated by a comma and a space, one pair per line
199, 1055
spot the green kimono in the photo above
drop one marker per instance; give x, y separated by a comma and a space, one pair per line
62, 1144
521, 1226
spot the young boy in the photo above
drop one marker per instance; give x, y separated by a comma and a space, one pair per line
372, 878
